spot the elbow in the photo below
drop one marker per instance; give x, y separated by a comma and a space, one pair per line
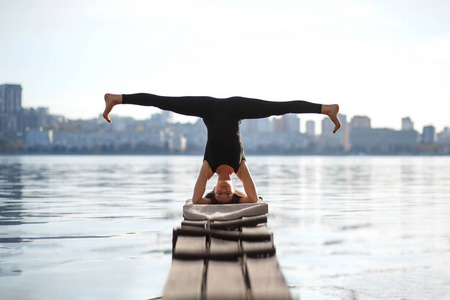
254, 198
251, 200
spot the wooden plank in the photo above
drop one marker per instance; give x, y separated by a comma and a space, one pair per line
225, 280
222, 234
224, 248
219, 245
190, 245
193, 223
266, 279
185, 280
232, 224
258, 248
255, 230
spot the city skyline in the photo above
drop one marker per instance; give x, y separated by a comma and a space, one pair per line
309, 125
36, 130
383, 59
303, 119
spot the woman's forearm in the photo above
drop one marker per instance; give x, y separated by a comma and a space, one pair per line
200, 185
247, 181
199, 190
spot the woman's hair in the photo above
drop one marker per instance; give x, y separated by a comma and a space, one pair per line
237, 195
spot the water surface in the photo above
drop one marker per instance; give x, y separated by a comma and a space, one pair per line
100, 227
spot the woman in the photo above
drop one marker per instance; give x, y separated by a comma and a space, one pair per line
224, 154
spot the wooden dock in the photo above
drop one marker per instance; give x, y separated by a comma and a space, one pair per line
224, 252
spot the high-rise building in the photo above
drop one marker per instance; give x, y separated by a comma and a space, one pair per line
360, 122
256, 125
327, 126
291, 123
429, 135
310, 128
11, 112
276, 125
337, 141
407, 124
10, 98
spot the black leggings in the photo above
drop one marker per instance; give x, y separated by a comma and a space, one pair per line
242, 108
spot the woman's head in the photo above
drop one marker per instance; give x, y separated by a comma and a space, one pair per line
224, 192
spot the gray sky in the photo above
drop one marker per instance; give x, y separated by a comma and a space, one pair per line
383, 58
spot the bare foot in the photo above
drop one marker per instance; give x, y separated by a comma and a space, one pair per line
111, 100
332, 111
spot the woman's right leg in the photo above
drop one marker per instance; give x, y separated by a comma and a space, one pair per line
190, 106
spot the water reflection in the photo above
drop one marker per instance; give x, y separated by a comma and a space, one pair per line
10, 192
10, 180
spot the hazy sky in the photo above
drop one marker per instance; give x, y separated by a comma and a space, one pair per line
383, 58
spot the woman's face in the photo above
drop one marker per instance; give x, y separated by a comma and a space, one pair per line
224, 191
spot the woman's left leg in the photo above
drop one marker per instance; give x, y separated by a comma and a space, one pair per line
248, 108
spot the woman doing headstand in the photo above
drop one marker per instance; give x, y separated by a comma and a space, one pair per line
224, 154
